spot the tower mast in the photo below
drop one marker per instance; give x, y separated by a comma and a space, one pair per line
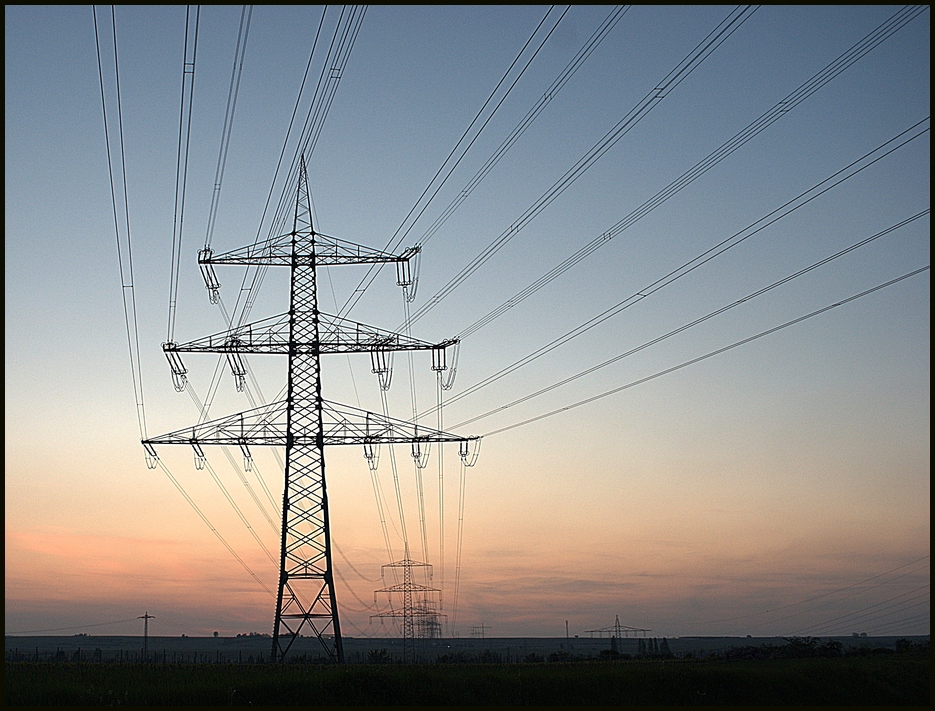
306, 582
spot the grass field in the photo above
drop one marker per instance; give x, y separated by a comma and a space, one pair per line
851, 680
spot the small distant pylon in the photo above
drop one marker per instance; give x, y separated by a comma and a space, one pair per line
479, 631
419, 613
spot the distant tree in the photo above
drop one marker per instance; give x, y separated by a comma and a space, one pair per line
904, 646
378, 656
664, 648
215, 635
488, 657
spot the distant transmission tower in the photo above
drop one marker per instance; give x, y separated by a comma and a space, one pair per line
304, 423
419, 613
479, 631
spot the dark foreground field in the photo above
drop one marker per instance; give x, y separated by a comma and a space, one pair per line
891, 680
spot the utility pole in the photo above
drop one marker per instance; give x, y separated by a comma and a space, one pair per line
146, 618
304, 423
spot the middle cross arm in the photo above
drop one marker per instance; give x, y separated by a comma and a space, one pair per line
271, 335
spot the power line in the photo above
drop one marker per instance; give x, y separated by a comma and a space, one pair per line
128, 293
831, 71
816, 597
211, 527
181, 169
75, 627
702, 319
229, 318
127, 281
393, 242
675, 77
335, 63
298, 100
707, 355
871, 610
233, 92
802, 199
906, 622
550, 93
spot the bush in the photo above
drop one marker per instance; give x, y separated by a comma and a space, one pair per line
378, 656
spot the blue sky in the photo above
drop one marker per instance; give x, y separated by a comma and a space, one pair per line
793, 466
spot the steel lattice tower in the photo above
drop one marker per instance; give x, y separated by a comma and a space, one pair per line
304, 423
418, 606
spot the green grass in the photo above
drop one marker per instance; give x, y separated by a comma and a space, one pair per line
892, 680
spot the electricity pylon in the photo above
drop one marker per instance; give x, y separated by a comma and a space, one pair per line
418, 612
304, 423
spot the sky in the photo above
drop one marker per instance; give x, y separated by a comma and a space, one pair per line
779, 487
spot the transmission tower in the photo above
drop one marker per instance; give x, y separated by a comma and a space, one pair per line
304, 423
419, 614
619, 631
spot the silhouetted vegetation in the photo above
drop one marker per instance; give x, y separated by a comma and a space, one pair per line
804, 671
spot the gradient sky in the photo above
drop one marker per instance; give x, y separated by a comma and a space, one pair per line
782, 487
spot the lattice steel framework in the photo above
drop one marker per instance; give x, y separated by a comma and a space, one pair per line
418, 614
304, 423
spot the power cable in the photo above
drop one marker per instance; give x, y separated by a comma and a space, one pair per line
454, 609
675, 77
239, 513
802, 199
298, 100
351, 565
127, 280
337, 58
247, 272
367, 607
399, 496
416, 461
348, 39
832, 70
554, 88
233, 92
181, 169
127, 290
211, 527
244, 481
706, 317
228, 319
76, 627
707, 355
855, 589
396, 238
866, 611
895, 625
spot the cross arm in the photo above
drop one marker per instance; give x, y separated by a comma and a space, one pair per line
271, 335
266, 426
